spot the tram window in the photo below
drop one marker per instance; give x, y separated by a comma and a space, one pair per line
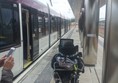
51, 26
9, 26
40, 23
0, 24
55, 28
34, 26
46, 26
40, 26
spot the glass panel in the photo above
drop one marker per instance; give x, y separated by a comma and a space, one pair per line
52, 25
102, 20
40, 27
9, 26
16, 27
35, 36
53, 36
44, 40
6, 29
46, 26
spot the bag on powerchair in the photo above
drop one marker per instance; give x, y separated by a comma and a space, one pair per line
67, 61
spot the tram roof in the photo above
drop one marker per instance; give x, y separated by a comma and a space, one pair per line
36, 4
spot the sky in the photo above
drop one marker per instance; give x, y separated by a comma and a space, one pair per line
60, 6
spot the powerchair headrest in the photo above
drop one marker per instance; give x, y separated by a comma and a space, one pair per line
67, 47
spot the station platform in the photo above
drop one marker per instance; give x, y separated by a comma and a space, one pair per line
41, 71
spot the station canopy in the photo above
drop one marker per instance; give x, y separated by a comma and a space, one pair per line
76, 5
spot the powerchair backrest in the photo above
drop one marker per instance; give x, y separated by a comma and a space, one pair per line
67, 47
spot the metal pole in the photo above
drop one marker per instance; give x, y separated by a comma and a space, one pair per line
110, 58
91, 32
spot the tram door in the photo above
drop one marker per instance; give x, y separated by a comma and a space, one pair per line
26, 38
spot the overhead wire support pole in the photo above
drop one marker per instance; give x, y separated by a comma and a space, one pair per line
51, 2
49, 23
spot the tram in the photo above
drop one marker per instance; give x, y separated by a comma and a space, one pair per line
31, 27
